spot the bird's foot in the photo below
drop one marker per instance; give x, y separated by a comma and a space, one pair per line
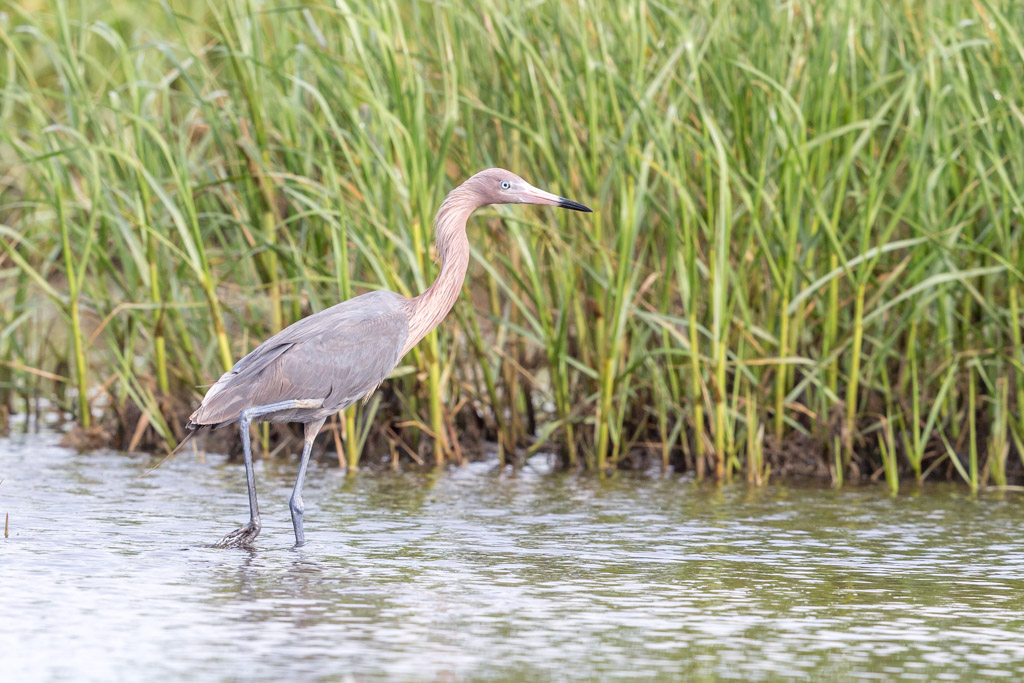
240, 538
300, 536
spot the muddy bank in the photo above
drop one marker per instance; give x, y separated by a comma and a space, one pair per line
394, 444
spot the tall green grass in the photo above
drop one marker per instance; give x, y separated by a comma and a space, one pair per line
807, 233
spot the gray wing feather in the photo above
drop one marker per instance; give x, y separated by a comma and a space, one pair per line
337, 356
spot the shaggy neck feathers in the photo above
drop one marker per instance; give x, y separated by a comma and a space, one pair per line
429, 308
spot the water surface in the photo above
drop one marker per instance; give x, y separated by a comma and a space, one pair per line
477, 573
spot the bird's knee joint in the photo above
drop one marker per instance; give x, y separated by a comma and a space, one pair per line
296, 506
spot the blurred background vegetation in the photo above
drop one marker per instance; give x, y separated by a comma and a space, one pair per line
805, 257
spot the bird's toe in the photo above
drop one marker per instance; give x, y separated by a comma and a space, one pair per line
239, 538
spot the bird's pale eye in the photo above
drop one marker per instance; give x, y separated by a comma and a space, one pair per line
505, 185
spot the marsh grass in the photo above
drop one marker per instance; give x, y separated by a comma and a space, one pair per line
808, 220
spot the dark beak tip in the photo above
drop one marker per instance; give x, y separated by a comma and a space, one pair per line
575, 206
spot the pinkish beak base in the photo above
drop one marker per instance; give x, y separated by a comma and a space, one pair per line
535, 196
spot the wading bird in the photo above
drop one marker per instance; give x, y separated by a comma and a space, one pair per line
326, 362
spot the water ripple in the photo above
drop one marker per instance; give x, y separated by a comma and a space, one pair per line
486, 573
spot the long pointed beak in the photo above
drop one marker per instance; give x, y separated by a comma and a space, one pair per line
575, 206
532, 195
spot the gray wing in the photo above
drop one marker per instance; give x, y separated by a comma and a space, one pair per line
337, 356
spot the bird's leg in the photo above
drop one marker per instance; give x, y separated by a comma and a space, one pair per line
295, 504
244, 536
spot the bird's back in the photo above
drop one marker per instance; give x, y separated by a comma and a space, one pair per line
335, 356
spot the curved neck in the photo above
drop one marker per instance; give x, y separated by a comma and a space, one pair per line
429, 308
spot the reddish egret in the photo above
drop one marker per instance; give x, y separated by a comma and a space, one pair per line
324, 363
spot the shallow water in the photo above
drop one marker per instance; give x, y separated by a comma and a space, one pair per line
475, 573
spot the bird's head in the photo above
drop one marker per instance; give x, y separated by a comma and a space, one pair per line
498, 186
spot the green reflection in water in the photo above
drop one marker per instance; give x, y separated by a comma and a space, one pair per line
475, 573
